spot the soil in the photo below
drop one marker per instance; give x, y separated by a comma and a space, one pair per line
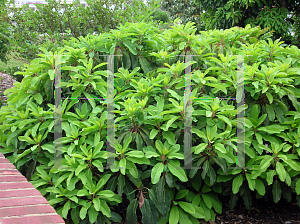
261, 213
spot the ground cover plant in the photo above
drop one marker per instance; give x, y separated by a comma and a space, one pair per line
149, 124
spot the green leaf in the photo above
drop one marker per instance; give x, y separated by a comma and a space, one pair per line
170, 122
218, 87
38, 97
187, 207
251, 182
122, 165
199, 133
184, 218
297, 187
26, 139
92, 214
149, 212
174, 94
260, 187
174, 215
176, 170
291, 163
80, 168
276, 191
131, 212
270, 97
19, 156
136, 154
270, 112
121, 183
153, 133
66, 209
270, 176
102, 181
96, 202
131, 47
181, 194
61, 179
236, 184
221, 163
273, 129
211, 132
83, 192
51, 74
200, 148
104, 208
207, 200
170, 137
220, 147
49, 147
145, 65
280, 171
156, 172
83, 212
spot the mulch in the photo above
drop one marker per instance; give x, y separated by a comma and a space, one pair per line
261, 213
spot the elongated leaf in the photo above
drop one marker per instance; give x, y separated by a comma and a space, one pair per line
92, 214
170, 122
221, 163
149, 212
156, 172
153, 133
247, 199
104, 208
184, 218
187, 207
276, 191
176, 170
174, 215
131, 212
200, 148
162, 206
236, 184
297, 187
260, 187
170, 137
220, 147
96, 202
181, 194
207, 200
251, 182
270, 112
121, 183
280, 171
131, 47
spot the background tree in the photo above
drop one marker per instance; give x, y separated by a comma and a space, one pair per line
279, 15
4, 34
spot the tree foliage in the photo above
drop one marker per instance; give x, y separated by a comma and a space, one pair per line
223, 14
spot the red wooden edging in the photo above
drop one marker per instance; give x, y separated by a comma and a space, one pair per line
20, 202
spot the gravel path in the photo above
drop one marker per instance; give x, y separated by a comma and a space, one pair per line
6, 83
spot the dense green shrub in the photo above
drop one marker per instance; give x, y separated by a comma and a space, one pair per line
161, 15
149, 124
